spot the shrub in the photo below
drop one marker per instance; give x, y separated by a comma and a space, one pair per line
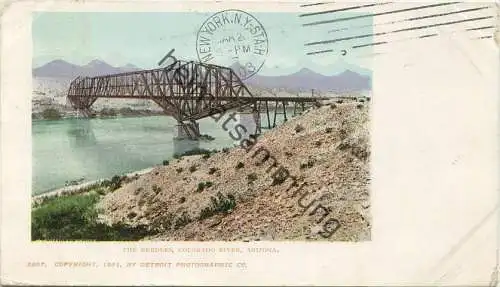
206, 213
251, 177
212, 170
240, 165
201, 187
163, 222
100, 191
166, 162
127, 111
108, 112
115, 183
328, 130
308, 164
206, 137
278, 180
225, 150
192, 168
51, 114
223, 203
106, 183
156, 188
220, 204
343, 133
360, 152
206, 156
182, 199
141, 201
138, 190
74, 217
179, 170
182, 220
344, 145
298, 128
193, 152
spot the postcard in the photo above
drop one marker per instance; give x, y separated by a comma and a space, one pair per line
249, 143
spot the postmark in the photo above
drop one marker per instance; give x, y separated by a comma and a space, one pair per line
233, 38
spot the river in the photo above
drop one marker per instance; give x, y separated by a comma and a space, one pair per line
90, 149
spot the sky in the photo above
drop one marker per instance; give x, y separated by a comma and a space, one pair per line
144, 38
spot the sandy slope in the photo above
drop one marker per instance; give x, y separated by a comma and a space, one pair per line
327, 148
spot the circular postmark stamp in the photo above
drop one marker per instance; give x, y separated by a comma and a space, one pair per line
235, 39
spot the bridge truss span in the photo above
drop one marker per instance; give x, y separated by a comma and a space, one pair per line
187, 91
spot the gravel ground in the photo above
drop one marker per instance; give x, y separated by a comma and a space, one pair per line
326, 150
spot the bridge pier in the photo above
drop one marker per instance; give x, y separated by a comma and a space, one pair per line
189, 130
181, 147
250, 120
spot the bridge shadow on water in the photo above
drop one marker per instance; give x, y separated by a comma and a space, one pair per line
182, 146
100, 155
81, 134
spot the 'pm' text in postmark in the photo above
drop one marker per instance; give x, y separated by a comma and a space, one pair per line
234, 39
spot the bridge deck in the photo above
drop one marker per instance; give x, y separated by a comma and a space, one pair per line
244, 98
187, 91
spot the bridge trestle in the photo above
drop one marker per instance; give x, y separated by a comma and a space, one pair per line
187, 91
187, 130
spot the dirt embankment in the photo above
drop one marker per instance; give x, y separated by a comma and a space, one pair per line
307, 179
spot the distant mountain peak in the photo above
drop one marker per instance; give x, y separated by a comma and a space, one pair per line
128, 65
58, 61
62, 69
97, 62
129, 68
306, 79
307, 72
349, 72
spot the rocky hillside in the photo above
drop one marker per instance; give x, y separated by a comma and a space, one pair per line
305, 180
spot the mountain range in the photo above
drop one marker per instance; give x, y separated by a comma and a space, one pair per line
63, 69
305, 79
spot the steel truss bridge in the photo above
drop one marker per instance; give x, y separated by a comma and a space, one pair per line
187, 91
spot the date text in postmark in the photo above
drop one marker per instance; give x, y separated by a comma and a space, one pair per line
235, 39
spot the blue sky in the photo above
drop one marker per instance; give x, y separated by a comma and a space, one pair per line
144, 38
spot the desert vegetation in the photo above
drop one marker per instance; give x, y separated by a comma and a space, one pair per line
75, 217
51, 114
233, 194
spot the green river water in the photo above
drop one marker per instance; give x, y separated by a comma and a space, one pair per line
72, 149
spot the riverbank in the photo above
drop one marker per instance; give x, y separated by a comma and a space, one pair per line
60, 114
88, 186
319, 160
80, 188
